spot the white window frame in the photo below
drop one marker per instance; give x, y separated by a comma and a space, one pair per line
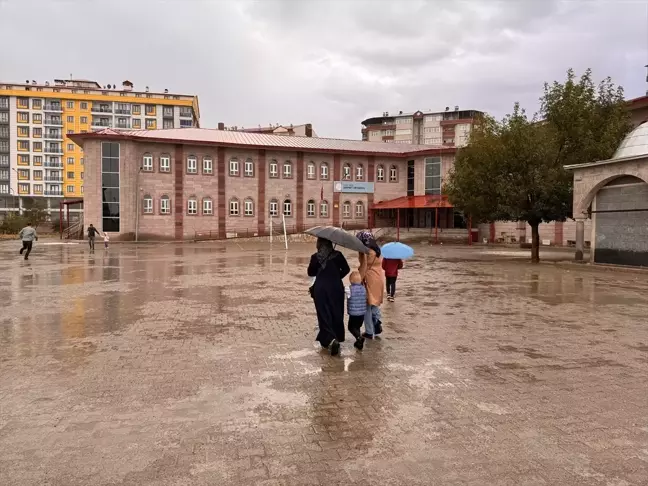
147, 163
165, 205
287, 207
248, 207
148, 205
324, 171
324, 209
347, 171
359, 205
287, 170
346, 209
380, 174
274, 169
192, 165
310, 208
249, 168
273, 208
192, 206
165, 163
311, 170
393, 174
208, 165
234, 168
359, 172
208, 206
234, 207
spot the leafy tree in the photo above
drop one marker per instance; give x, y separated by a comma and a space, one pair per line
35, 211
513, 169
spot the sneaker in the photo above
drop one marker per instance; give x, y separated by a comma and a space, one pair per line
335, 348
359, 343
367, 335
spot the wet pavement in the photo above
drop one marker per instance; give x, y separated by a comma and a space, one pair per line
195, 364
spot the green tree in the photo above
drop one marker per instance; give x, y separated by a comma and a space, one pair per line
35, 211
513, 169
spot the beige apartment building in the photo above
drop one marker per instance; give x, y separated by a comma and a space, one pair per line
449, 128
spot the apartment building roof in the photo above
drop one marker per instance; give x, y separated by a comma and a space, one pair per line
205, 136
379, 119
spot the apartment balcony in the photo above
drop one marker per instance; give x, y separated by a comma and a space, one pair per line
53, 135
187, 114
53, 164
56, 107
52, 178
52, 149
123, 125
54, 122
101, 124
101, 109
53, 192
122, 111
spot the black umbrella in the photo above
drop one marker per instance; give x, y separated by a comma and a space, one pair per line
338, 237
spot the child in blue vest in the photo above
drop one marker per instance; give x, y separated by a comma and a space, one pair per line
356, 307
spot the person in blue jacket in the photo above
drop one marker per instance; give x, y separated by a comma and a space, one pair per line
356, 307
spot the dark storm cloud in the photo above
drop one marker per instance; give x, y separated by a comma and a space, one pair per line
331, 63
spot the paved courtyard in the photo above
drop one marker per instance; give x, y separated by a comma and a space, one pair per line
196, 364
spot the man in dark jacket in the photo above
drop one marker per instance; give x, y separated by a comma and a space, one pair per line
92, 232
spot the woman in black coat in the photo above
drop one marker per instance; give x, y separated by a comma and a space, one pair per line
329, 267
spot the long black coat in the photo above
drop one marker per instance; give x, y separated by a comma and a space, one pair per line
328, 293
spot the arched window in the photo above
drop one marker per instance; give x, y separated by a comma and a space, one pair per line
249, 168
248, 207
359, 209
274, 207
274, 168
192, 165
147, 163
208, 206
346, 209
310, 172
393, 174
147, 205
234, 168
287, 169
165, 163
310, 208
287, 207
380, 173
234, 207
324, 171
208, 166
165, 205
324, 209
192, 205
359, 172
346, 172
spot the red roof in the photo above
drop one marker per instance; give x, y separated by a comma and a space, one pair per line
416, 202
204, 136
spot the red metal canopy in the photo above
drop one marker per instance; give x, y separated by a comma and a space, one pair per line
416, 202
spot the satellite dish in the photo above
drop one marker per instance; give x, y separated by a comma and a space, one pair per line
166, 90
109, 86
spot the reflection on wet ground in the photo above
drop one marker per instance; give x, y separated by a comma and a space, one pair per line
195, 364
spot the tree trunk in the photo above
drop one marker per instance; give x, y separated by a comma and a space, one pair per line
535, 242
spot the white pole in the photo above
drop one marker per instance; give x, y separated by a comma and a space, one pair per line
271, 230
283, 216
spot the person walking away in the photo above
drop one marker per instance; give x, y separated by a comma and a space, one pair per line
356, 307
372, 275
92, 232
27, 235
391, 267
329, 267
106, 240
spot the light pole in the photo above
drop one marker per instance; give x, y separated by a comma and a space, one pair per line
137, 203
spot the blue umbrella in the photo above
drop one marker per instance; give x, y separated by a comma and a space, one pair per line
397, 251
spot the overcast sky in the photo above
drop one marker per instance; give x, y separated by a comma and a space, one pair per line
331, 63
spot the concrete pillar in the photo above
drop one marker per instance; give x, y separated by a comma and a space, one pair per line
580, 239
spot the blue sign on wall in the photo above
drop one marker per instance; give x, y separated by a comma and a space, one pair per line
353, 187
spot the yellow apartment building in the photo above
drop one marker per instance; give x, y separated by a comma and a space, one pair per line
37, 159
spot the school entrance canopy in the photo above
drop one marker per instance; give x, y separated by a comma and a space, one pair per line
427, 211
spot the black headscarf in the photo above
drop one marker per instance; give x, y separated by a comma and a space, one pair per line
324, 251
